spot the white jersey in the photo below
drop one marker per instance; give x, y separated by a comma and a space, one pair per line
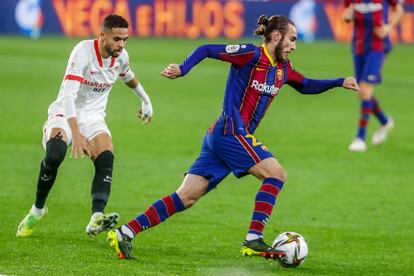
96, 76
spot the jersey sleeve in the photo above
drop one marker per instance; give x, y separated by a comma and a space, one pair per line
309, 86
238, 55
77, 64
347, 3
394, 3
126, 74
294, 78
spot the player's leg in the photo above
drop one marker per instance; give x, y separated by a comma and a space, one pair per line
273, 176
247, 155
365, 96
56, 146
205, 174
378, 112
103, 159
386, 122
192, 188
361, 67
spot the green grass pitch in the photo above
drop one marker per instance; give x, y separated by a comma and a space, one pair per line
355, 210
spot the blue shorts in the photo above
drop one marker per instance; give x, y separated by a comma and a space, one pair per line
221, 155
368, 67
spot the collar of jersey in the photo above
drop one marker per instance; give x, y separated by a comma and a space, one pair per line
98, 55
268, 56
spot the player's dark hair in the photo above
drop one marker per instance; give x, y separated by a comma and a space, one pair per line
114, 21
268, 25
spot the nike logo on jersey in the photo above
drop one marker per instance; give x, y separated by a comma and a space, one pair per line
260, 69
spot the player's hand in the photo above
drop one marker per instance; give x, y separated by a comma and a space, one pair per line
382, 31
350, 83
348, 14
81, 146
172, 71
145, 112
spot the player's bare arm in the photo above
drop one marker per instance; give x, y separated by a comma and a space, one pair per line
172, 71
350, 83
348, 14
395, 18
145, 112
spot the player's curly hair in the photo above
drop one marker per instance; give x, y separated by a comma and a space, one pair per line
268, 25
114, 21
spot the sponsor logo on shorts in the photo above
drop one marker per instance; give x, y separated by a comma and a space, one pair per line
264, 148
372, 77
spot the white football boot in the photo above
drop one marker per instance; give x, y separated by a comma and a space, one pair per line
101, 222
358, 145
381, 134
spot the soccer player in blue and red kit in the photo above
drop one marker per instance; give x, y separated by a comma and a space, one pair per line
370, 45
256, 75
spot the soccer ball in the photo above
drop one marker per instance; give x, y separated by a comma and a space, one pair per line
294, 246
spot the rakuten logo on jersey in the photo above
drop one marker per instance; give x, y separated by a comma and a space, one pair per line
264, 88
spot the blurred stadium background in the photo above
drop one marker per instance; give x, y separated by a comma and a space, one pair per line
355, 210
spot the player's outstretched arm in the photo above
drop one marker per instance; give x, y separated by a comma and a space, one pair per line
306, 85
237, 55
350, 83
146, 112
172, 71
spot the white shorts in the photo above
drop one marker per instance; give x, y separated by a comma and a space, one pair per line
89, 127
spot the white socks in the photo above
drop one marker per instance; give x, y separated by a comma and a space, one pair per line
37, 212
251, 237
127, 231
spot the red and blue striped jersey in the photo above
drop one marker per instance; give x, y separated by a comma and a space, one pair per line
368, 15
254, 80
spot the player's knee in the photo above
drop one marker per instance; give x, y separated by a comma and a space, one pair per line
189, 202
188, 199
282, 175
55, 153
104, 163
276, 172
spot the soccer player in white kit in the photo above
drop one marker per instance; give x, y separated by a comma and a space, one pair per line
77, 117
